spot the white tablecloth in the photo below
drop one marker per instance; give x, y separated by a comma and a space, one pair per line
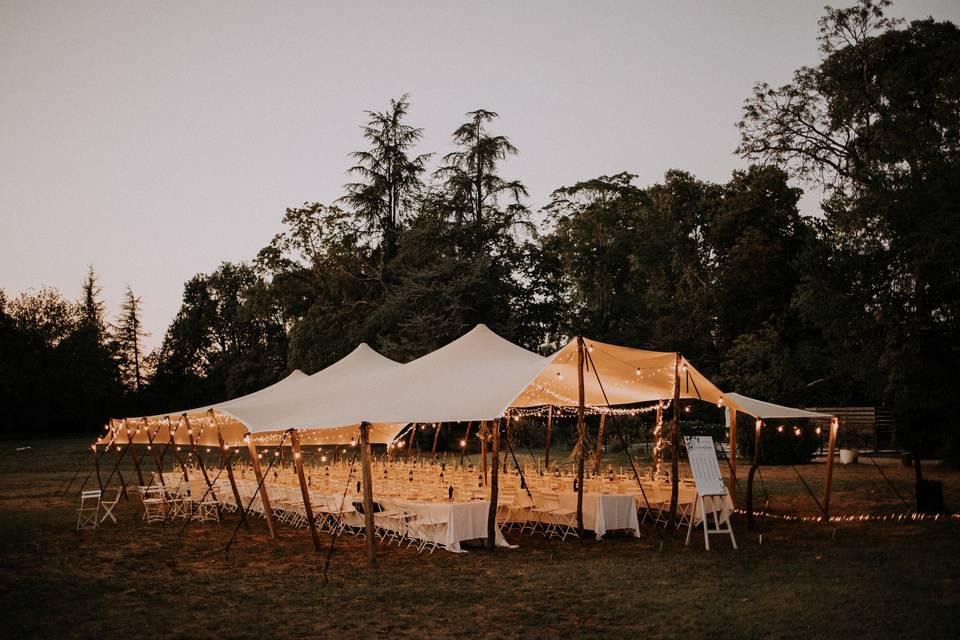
604, 512
464, 520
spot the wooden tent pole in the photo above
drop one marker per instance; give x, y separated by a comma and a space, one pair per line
494, 489
466, 443
264, 496
119, 458
546, 448
367, 481
413, 432
731, 415
133, 453
200, 459
176, 449
596, 461
581, 434
96, 461
152, 450
483, 448
225, 461
834, 427
436, 436
308, 509
752, 472
675, 444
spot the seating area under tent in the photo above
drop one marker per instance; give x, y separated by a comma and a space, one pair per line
189, 464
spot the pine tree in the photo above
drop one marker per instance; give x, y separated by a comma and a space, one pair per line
129, 332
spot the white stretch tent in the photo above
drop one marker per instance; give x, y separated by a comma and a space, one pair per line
253, 412
626, 376
475, 377
768, 410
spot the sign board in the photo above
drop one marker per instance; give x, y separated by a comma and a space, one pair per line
706, 469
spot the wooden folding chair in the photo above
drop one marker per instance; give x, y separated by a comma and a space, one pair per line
88, 515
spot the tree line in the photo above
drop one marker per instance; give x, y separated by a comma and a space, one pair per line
855, 306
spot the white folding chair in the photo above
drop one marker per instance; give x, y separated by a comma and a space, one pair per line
108, 507
88, 515
153, 501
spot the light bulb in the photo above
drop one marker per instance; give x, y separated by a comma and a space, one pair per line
463, 443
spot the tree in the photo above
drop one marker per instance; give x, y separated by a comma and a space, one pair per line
389, 175
129, 332
876, 123
470, 173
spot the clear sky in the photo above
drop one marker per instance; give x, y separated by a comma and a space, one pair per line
154, 140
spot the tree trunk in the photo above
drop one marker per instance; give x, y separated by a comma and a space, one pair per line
834, 427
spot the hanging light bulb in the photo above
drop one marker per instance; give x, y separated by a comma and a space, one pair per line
463, 443
638, 371
818, 430
780, 429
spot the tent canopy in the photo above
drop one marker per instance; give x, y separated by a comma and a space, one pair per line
768, 410
615, 375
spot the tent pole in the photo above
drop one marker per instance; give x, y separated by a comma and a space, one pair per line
436, 436
225, 461
731, 416
466, 443
834, 427
201, 461
119, 457
264, 497
413, 432
153, 452
96, 461
133, 452
308, 509
494, 488
675, 444
546, 448
751, 473
483, 448
596, 461
581, 435
367, 481
176, 449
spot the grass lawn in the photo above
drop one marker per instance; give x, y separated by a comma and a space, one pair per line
865, 580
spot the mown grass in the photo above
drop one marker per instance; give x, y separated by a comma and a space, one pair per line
865, 580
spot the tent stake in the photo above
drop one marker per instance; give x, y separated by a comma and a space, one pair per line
367, 481
298, 463
494, 487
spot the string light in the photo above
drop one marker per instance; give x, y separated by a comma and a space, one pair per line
860, 517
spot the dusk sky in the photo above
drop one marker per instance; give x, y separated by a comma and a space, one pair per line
154, 140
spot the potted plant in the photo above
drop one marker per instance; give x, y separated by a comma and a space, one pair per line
850, 443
